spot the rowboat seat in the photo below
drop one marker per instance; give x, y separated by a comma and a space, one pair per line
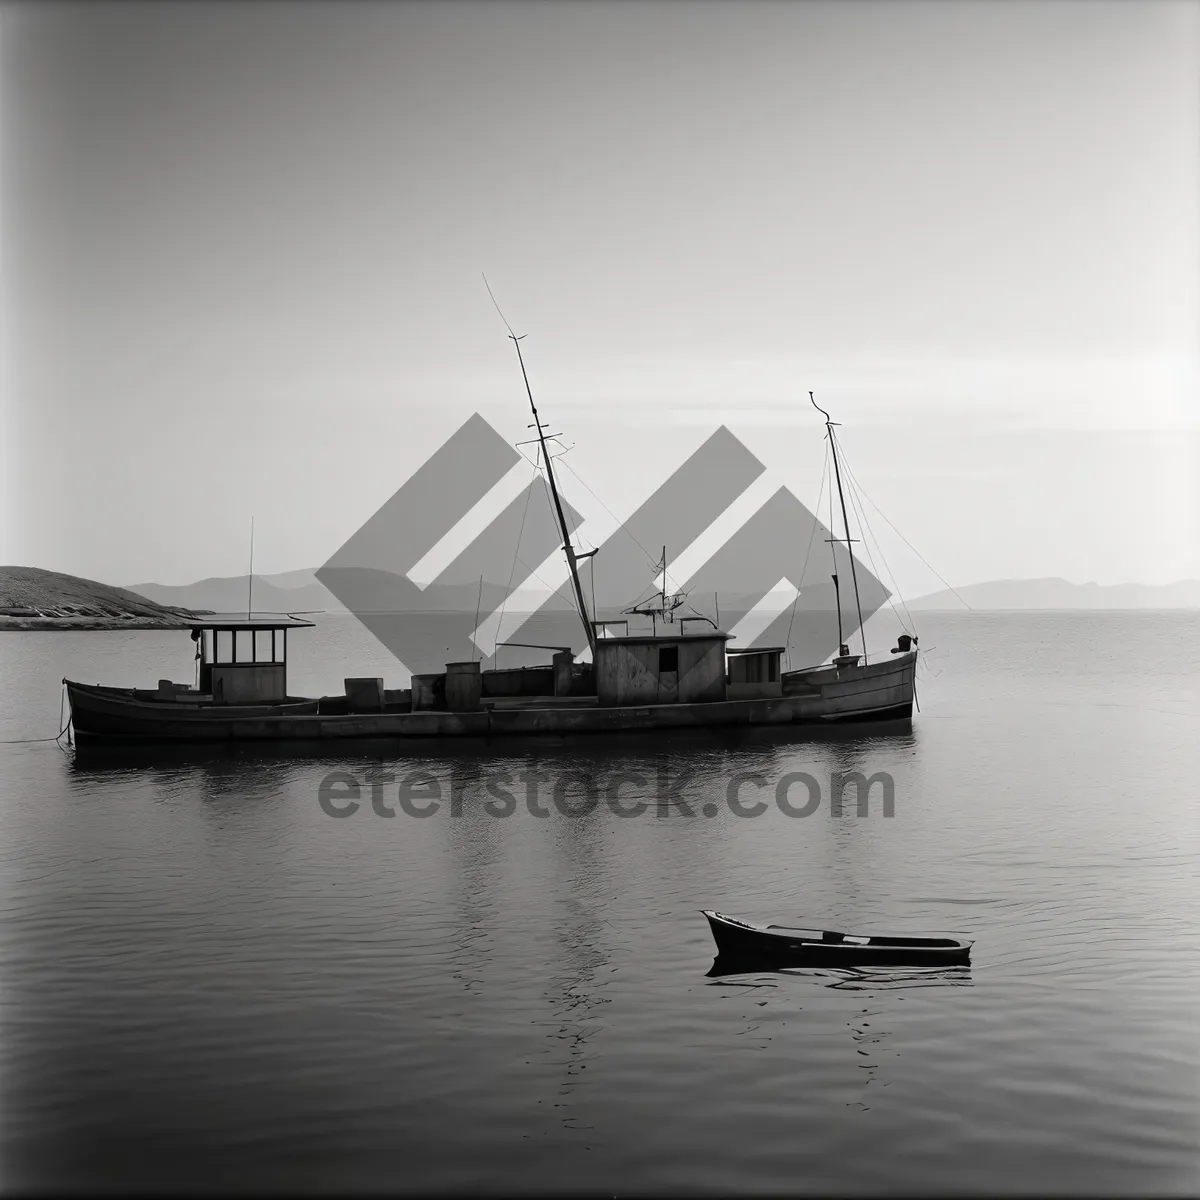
831, 937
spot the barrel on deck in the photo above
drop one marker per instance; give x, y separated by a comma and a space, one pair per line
464, 686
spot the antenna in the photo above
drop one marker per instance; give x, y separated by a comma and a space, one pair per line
250, 578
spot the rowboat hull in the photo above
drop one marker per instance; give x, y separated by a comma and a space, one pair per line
774, 945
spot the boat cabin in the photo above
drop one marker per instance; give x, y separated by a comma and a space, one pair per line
243, 660
754, 672
660, 668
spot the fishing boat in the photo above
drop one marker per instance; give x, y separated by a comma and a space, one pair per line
240, 682
780, 945
681, 675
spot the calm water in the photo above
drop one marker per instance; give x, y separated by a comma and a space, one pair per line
205, 979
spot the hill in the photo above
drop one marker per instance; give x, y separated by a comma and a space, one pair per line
292, 591
1030, 594
31, 598
302, 591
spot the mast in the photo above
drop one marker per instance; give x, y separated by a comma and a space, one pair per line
837, 603
250, 575
568, 548
837, 474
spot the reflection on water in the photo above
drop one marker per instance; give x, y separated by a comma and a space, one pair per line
847, 979
845, 748
206, 976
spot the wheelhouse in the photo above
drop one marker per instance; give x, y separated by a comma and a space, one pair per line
243, 660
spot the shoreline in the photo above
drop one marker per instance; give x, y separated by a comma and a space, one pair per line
88, 624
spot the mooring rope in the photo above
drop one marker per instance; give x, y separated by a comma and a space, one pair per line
57, 737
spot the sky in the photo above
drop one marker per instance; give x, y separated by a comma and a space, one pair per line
242, 247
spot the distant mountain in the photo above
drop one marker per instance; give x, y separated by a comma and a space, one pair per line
301, 591
292, 591
1010, 594
31, 598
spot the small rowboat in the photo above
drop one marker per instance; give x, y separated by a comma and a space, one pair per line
780, 945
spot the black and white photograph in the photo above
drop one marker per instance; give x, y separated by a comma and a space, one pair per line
603, 597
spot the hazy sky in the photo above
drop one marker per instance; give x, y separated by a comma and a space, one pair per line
242, 249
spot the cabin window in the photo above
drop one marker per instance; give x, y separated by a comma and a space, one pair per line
224, 652
243, 646
262, 646
279, 641
668, 659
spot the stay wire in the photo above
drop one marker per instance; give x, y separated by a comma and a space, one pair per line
906, 541
864, 529
866, 532
651, 560
812, 533
516, 553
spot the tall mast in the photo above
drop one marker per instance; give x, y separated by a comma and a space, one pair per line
837, 474
250, 575
568, 548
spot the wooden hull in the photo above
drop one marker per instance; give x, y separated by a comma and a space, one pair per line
100, 714
854, 693
773, 945
114, 716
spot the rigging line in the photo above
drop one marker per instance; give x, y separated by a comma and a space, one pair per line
592, 580
906, 541
860, 512
812, 533
516, 551
654, 563
574, 603
650, 559
832, 536
570, 601
652, 589
863, 526
862, 632
573, 527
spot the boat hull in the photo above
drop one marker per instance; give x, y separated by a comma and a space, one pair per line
852, 693
740, 941
117, 722
100, 714
115, 716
